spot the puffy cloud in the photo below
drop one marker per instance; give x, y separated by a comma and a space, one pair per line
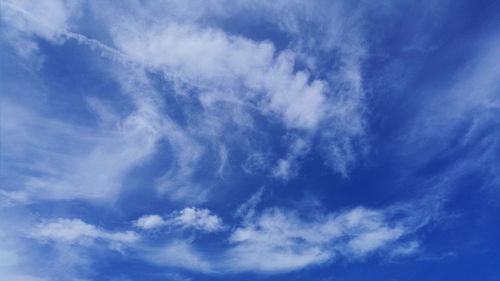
200, 219
150, 221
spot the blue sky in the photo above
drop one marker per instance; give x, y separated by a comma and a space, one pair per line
249, 140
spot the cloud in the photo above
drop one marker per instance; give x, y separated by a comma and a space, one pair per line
405, 250
212, 66
458, 122
76, 231
247, 209
254, 74
210, 70
18, 276
90, 165
150, 221
24, 259
279, 240
12, 198
179, 254
26, 20
205, 58
370, 241
287, 167
9, 268
200, 219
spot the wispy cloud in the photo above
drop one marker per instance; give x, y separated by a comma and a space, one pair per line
179, 254
460, 122
91, 163
77, 231
279, 240
26, 22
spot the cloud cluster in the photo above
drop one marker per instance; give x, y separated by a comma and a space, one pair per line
210, 58
207, 66
279, 240
199, 219
211, 103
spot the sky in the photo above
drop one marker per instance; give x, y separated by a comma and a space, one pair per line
249, 140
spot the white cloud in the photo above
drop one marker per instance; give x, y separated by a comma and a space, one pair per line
45, 19
235, 60
405, 250
283, 169
18, 276
91, 164
458, 117
370, 241
256, 162
208, 66
10, 266
246, 72
278, 240
12, 198
253, 73
247, 209
23, 260
251, 257
206, 57
150, 222
79, 232
287, 167
200, 219
179, 254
